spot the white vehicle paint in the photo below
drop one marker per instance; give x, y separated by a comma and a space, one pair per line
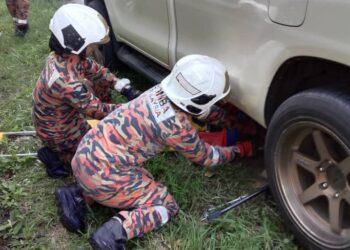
246, 35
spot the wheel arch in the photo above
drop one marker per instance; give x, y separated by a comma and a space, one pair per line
300, 73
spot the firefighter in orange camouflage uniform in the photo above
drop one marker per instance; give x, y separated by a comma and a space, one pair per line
18, 9
108, 164
72, 86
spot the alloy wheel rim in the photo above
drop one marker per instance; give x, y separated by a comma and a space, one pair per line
313, 173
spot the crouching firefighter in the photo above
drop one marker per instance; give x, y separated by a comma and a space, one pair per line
108, 164
72, 86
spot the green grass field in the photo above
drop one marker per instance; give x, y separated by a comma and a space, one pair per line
28, 217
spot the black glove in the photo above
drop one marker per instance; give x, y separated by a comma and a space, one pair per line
130, 93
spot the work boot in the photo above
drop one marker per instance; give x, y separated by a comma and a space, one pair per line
71, 207
110, 236
54, 167
21, 29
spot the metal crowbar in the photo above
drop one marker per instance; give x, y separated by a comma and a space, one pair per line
216, 212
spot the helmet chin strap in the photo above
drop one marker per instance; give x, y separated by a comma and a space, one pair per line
204, 115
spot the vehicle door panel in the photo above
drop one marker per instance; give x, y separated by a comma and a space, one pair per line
142, 24
231, 31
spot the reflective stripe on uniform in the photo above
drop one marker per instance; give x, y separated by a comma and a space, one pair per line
216, 155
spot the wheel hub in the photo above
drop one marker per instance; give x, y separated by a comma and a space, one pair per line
314, 176
335, 178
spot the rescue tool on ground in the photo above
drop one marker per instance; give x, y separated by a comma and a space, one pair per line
216, 212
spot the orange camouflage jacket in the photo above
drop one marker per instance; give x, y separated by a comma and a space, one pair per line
137, 131
69, 90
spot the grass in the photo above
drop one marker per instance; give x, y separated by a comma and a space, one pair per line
28, 217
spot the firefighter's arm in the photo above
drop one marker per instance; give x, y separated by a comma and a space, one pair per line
77, 95
97, 73
187, 142
219, 116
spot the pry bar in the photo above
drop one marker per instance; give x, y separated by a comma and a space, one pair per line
216, 212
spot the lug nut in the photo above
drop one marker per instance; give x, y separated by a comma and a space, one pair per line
330, 162
336, 195
321, 169
324, 185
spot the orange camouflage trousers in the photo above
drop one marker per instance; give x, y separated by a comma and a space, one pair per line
67, 148
132, 190
18, 9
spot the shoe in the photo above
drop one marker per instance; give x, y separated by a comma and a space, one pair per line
21, 29
71, 207
54, 167
110, 236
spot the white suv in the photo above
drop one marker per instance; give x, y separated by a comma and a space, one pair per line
289, 67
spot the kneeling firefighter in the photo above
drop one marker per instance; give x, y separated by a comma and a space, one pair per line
72, 86
108, 164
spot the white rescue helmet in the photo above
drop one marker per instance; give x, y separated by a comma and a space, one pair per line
76, 26
196, 83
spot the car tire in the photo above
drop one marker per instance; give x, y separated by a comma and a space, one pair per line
307, 155
106, 54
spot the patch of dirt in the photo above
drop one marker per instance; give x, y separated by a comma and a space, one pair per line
57, 234
3, 244
159, 244
4, 215
7, 174
24, 208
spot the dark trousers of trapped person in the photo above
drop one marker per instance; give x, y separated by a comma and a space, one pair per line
19, 11
132, 190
